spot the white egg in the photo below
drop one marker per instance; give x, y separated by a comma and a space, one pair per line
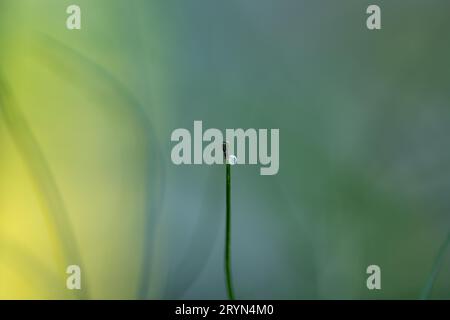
232, 160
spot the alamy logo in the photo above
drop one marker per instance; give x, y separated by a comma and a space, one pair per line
255, 141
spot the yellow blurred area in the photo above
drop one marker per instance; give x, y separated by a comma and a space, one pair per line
23, 226
73, 173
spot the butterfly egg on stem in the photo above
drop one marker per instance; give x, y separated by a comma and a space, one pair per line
229, 158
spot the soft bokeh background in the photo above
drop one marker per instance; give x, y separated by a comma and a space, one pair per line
85, 170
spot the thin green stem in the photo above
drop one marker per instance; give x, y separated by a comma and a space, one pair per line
436, 268
228, 235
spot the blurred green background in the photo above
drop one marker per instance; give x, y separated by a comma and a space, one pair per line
85, 170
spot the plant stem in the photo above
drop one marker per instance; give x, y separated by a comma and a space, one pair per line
228, 234
436, 268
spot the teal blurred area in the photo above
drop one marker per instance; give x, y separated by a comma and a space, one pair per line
364, 119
